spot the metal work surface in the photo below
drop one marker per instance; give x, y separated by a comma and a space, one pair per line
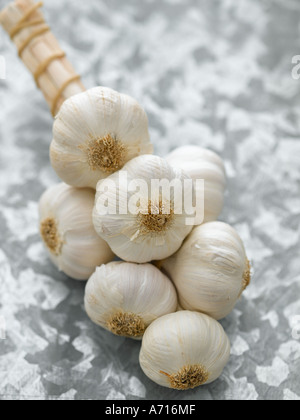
217, 73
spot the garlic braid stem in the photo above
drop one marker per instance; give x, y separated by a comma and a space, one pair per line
40, 52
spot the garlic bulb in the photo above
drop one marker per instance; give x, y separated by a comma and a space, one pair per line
95, 133
204, 164
183, 350
147, 225
125, 298
211, 270
68, 233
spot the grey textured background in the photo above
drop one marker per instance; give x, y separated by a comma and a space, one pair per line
211, 72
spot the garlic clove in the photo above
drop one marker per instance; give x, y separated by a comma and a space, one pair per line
68, 233
184, 350
152, 229
95, 133
125, 298
201, 163
211, 270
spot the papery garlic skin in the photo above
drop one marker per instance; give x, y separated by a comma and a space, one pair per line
211, 270
68, 233
125, 298
203, 164
95, 133
184, 350
137, 237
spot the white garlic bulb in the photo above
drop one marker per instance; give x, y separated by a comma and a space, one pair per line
68, 233
184, 350
211, 270
203, 164
95, 133
153, 223
125, 298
